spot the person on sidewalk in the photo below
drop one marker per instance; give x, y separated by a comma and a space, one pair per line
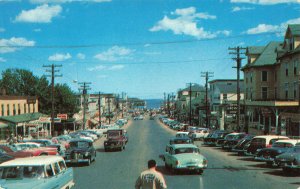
150, 178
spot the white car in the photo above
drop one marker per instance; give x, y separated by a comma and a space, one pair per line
200, 133
182, 134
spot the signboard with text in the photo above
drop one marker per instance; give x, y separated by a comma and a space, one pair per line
62, 116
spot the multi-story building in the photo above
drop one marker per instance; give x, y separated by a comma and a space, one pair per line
271, 78
188, 105
16, 114
223, 101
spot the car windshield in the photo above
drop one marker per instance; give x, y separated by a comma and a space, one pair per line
19, 172
186, 150
79, 144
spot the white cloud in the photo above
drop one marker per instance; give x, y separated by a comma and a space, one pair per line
186, 23
265, 2
237, 9
265, 28
2, 30
37, 30
59, 57
2, 59
14, 43
102, 67
41, 14
81, 56
114, 53
116, 67
97, 68
67, 1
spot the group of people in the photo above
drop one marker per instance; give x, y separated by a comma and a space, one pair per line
13, 139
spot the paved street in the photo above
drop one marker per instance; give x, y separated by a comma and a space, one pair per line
147, 139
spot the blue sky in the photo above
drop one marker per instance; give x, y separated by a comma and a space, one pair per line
141, 47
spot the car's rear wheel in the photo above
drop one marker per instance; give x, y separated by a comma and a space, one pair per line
200, 171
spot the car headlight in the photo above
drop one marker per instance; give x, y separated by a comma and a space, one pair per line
205, 162
86, 154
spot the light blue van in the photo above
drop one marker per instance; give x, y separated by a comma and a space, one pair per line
36, 173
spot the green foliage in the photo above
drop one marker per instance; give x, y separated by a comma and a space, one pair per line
20, 82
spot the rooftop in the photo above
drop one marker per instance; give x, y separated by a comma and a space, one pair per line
31, 161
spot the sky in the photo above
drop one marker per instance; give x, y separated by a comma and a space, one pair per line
144, 48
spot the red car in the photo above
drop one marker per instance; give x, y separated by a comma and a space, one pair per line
28, 152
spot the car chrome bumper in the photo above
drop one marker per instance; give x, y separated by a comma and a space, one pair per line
266, 159
76, 160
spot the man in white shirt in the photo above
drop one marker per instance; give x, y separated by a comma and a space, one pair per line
150, 178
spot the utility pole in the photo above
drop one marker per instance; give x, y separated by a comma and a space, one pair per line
52, 71
237, 51
84, 86
109, 118
164, 101
190, 112
99, 107
168, 104
206, 75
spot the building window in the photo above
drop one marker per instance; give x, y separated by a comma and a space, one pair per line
250, 93
224, 96
275, 93
286, 70
19, 109
275, 76
286, 90
251, 75
33, 105
7, 110
14, 109
25, 110
264, 76
246, 94
264, 93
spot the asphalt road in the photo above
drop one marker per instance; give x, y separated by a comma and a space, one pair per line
148, 138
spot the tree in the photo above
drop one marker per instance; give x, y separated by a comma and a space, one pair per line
20, 82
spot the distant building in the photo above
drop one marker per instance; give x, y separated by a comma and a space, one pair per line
223, 101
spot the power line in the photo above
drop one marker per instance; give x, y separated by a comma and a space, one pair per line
136, 43
84, 87
207, 75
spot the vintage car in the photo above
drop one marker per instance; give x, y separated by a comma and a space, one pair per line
239, 147
181, 140
263, 141
182, 134
185, 157
27, 152
116, 139
49, 144
4, 157
290, 160
199, 133
35, 148
268, 154
80, 151
232, 139
35, 173
216, 135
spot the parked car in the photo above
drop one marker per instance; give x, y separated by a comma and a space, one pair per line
35, 173
199, 133
184, 157
232, 139
80, 151
239, 147
268, 154
12, 151
116, 139
263, 141
5, 157
290, 160
181, 140
212, 139
48, 143
35, 148
182, 134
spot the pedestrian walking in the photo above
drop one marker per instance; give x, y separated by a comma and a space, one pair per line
150, 178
